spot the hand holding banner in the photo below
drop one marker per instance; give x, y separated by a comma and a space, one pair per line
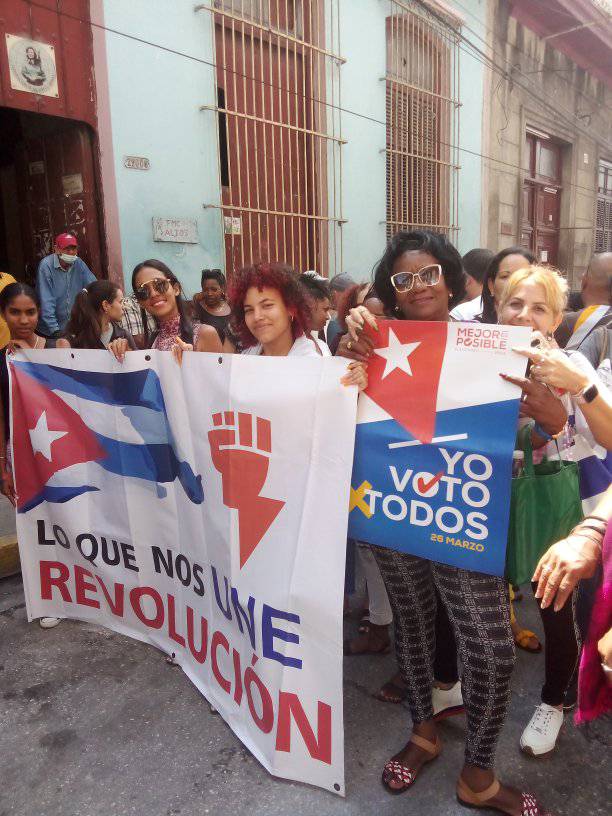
207, 521
435, 435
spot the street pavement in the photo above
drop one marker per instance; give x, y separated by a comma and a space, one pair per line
96, 724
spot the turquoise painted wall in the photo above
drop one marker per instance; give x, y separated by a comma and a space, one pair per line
155, 96
472, 74
362, 43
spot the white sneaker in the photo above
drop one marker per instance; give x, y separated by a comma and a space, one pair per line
48, 623
540, 736
447, 702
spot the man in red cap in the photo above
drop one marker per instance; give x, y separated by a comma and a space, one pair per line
60, 277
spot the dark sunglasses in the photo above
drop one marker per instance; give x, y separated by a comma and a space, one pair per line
156, 285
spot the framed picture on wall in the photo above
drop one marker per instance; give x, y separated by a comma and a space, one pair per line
32, 66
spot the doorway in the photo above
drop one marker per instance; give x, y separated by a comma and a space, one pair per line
47, 186
541, 206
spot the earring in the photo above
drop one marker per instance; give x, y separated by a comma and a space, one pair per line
397, 309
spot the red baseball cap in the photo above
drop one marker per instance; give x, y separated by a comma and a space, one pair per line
64, 240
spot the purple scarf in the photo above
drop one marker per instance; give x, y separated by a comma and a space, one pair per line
594, 693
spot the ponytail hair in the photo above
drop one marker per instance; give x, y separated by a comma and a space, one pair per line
186, 325
85, 325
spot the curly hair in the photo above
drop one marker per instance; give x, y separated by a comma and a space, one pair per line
274, 276
436, 245
213, 274
315, 285
489, 312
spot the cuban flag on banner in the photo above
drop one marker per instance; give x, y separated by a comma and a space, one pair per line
435, 435
112, 462
63, 418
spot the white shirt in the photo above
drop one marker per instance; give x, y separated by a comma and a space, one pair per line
321, 344
468, 310
304, 346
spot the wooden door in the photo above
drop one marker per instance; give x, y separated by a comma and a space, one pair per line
541, 203
58, 194
547, 224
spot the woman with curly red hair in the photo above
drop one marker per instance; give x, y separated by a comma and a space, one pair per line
270, 315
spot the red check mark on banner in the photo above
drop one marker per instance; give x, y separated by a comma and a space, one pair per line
424, 487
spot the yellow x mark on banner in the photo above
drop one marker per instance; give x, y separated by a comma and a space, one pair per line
357, 499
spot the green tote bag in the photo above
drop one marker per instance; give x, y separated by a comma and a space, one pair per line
544, 506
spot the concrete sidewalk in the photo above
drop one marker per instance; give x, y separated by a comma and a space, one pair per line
96, 724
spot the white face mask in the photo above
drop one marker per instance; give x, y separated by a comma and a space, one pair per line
67, 259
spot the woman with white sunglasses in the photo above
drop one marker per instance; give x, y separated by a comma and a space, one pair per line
420, 277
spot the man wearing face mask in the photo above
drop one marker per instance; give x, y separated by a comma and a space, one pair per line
59, 279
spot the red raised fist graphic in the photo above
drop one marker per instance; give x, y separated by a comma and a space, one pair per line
240, 446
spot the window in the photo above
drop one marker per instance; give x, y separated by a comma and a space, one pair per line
422, 121
277, 67
222, 125
603, 220
275, 15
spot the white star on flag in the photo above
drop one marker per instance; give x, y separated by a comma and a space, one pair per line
396, 355
42, 438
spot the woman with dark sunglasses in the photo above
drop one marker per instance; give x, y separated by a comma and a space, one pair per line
420, 277
159, 293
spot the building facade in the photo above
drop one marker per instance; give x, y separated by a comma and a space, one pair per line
49, 171
547, 177
231, 131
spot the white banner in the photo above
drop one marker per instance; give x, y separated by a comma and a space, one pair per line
202, 509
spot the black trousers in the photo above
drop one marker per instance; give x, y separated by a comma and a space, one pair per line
561, 649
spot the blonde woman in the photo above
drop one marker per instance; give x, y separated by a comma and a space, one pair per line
536, 296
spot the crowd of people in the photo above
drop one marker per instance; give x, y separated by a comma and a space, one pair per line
455, 630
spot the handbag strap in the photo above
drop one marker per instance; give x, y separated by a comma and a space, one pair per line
524, 440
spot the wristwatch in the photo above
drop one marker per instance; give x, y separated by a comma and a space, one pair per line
587, 394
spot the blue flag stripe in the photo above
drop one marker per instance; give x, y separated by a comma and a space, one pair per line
155, 463
58, 495
139, 388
